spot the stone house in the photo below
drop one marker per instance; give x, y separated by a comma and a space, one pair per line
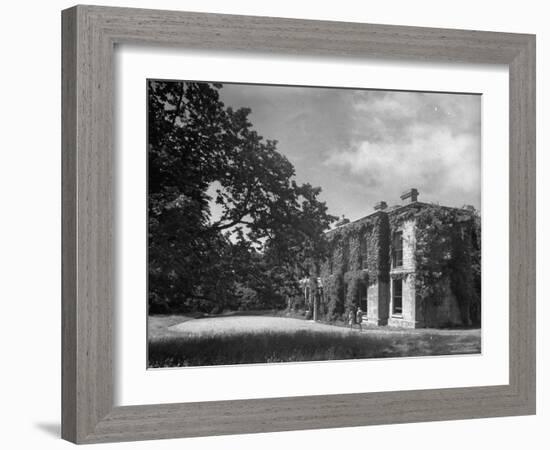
412, 265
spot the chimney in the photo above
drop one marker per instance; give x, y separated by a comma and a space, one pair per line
411, 195
380, 206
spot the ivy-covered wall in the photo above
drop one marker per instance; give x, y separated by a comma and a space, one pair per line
446, 278
447, 263
358, 258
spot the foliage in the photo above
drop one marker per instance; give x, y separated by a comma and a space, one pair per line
356, 260
447, 254
355, 281
267, 229
256, 299
358, 247
334, 305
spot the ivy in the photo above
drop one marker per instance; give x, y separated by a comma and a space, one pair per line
355, 281
356, 261
357, 247
447, 253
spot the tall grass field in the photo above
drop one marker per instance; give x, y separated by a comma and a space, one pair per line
176, 341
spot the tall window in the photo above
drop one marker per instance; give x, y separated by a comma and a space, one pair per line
363, 263
398, 250
397, 299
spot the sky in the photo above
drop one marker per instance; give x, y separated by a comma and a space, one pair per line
364, 146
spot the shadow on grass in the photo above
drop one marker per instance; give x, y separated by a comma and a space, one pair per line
294, 346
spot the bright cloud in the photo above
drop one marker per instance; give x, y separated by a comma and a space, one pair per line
401, 140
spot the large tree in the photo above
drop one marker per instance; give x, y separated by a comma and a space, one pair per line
267, 227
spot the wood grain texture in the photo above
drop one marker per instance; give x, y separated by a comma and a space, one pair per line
89, 36
87, 271
68, 224
522, 224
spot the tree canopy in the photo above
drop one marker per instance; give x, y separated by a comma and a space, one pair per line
267, 229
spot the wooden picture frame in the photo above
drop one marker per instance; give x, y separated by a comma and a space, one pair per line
89, 34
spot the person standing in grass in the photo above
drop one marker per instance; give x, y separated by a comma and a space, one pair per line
351, 317
359, 318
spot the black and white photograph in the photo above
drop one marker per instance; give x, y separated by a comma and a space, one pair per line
297, 223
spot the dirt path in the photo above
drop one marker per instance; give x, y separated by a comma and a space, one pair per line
181, 325
253, 324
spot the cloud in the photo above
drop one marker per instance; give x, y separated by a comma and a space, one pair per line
401, 140
362, 146
439, 160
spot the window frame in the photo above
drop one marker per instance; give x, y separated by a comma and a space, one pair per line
397, 245
397, 282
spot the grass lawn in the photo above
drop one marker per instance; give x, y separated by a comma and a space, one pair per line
176, 341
